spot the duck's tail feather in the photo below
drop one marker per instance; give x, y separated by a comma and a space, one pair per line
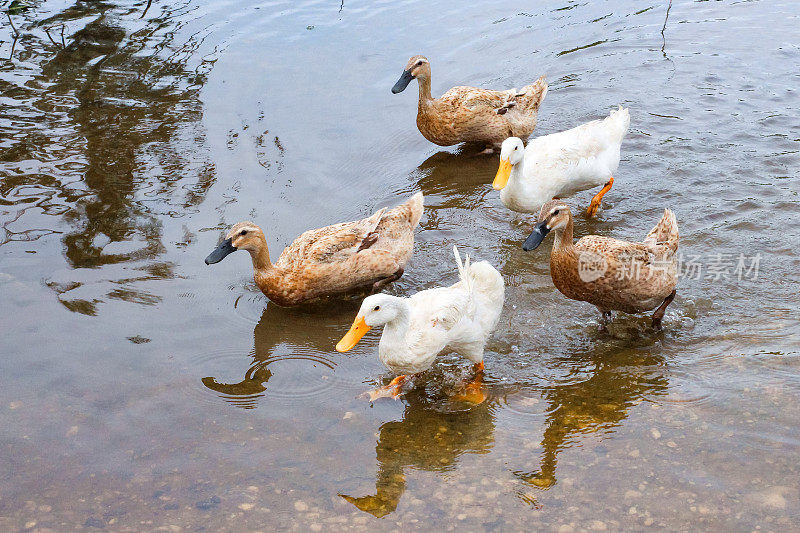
664, 235
531, 96
619, 121
463, 270
481, 279
373, 221
415, 204
410, 210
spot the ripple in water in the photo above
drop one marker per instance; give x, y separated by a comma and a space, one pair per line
250, 306
286, 377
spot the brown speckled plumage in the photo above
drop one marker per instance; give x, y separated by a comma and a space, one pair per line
470, 114
617, 286
330, 261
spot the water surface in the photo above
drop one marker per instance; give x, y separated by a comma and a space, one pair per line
142, 389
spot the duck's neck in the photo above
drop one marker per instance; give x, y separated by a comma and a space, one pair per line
424, 92
516, 183
260, 257
563, 239
393, 340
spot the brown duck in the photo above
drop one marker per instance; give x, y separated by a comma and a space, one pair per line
333, 260
469, 114
614, 275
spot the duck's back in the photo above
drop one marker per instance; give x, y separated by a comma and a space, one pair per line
471, 114
437, 317
346, 256
579, 158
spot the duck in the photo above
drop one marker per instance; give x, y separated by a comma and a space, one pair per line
330, 261
416, 329
611, 274
470, 114
561, 164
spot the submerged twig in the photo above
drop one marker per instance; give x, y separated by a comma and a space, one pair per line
63, 43
664, 27
13, 47
13, 28
146, 8
47, 31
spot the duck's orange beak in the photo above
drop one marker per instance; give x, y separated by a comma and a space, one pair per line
357, 330
503, 173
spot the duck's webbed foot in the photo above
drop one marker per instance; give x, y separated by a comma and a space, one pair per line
473, 392
381, 283
605, 318
393, 390
595, 204
659, 314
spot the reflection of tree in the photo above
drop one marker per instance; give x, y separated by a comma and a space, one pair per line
129, 101
117, 105
278, 326
426, 439
599, 403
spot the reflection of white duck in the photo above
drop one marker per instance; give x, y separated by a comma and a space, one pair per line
561, 164
459, 318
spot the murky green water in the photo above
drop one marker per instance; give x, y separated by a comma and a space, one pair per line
142, 389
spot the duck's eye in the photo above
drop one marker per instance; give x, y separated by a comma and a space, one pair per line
555, 212
377, 308
419, 63
243, 232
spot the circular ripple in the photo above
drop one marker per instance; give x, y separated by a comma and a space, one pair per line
249, 306
784, 366
688, 388
529, 403
291, 376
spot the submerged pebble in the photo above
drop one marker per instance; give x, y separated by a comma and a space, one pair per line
300, 506
208, 503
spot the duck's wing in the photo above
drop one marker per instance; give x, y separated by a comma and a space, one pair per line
566, 147
615, 251
332, 244
584, 141
436, 315
477, 100
623, 275
624, 271
399, 222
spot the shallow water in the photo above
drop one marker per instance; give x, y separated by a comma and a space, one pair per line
142, 389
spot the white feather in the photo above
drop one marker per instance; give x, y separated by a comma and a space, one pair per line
457, 318
564, 163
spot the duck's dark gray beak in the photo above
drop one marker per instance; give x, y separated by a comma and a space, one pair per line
220, 252
403, 82
536, 237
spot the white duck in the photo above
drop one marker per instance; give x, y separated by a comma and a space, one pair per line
416, 329
561, 164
